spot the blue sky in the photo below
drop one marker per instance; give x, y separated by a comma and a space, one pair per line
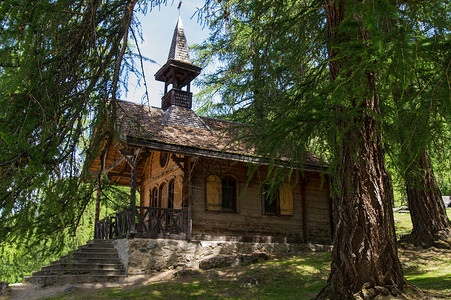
158, 28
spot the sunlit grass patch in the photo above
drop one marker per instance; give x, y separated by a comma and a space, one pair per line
403, 224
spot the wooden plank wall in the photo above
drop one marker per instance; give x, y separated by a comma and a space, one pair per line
249, 223
318, 208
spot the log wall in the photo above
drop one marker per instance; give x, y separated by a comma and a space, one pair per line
249, 223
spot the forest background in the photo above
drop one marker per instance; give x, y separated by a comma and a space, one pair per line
55, 78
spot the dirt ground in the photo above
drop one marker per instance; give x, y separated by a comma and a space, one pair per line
27, 291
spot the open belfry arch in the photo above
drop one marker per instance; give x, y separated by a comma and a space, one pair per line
178, 72
192, 174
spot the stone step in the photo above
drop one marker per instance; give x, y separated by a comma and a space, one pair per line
95, 249
44, 280
87, 272
97, 261
91, 254
88, 260
106, 243
82, 266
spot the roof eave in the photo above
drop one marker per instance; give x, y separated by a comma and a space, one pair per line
191, 151
189, 67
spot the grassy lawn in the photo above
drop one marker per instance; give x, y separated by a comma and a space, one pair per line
298, 277
428, 269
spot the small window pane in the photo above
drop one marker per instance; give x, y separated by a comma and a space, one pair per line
171, 195
271, 199
154, 198
228, 194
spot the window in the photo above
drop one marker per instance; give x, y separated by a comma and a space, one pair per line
221, 193
278, 200
171, 194
271, 199
164, 157
154, 197
228, 194
162, 194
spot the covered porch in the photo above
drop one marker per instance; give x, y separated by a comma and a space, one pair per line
164, 210
143, 222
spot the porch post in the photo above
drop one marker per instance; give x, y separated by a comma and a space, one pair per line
97, 213
133, 161
133, 196
187, 203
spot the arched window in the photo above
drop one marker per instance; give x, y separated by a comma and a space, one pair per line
171, 194
162, 195
154, 197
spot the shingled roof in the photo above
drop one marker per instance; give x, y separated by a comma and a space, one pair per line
181, 130
179, 46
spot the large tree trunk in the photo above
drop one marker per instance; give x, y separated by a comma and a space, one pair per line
431, 226
364, 256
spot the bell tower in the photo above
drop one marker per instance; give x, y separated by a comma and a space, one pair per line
178, 72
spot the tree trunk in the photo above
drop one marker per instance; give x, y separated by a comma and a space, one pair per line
364, 256
364, 250
431, 226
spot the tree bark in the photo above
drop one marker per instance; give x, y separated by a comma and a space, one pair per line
364, 256
431, 226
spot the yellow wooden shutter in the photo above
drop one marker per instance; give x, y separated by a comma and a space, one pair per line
214, 193
286, 200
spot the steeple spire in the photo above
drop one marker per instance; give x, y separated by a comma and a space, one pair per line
178, 71
179, 46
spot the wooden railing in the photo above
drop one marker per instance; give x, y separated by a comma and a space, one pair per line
144, 222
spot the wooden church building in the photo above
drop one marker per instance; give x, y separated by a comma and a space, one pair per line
192, 176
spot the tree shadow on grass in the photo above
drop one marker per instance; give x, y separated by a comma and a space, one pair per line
428, 269
436, 283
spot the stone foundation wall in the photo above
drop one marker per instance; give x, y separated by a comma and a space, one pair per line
145, 256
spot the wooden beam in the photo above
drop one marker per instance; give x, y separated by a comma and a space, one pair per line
187, 196
97, 212
133, 198
131, 157
113, 165
133, 161
123, 175
185, 150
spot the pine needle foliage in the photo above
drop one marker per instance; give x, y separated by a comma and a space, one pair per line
60, 74
274, 73
273, 69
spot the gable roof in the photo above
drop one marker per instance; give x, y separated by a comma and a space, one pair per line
180, 130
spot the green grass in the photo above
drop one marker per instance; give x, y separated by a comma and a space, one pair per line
428, 269
403, 224
297, 277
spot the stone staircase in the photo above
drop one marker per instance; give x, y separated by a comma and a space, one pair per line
96, 261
